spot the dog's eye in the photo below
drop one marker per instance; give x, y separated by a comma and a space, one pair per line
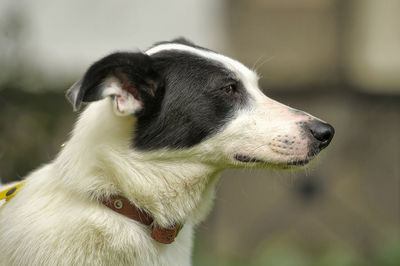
228, 89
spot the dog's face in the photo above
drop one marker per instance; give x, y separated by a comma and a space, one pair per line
189, 99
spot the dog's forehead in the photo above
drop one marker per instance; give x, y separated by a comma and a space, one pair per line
241, 71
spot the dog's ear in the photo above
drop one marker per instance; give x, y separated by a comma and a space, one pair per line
129, 78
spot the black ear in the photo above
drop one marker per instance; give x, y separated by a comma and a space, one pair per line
127, 77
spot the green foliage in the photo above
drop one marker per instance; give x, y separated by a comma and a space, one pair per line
32, 127
287, 254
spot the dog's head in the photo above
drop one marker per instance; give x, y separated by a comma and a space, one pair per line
189, 99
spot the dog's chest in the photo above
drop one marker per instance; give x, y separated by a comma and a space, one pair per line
91, 238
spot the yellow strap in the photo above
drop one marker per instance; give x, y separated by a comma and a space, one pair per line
10, 192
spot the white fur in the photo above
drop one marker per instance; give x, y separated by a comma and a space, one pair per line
56, 219
124, 102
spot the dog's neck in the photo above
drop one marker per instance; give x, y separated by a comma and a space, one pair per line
100, 154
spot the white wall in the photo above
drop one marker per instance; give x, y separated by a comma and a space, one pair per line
64, 37
374, 45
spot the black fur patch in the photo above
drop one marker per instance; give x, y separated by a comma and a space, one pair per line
186, 97
191, 105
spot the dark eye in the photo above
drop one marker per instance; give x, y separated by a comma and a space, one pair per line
228, 89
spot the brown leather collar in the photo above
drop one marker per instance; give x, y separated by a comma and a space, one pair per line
121, 205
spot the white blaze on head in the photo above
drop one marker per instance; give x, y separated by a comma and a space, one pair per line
268, 130
242, 72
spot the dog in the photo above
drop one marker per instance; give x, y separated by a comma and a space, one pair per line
144, 158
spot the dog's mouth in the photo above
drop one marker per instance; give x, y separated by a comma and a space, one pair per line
299, 162
248, 159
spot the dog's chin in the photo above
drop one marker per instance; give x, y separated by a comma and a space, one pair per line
297, 164
253, 161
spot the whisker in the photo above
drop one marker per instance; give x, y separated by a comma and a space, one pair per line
255, 63
257, 67
259, 147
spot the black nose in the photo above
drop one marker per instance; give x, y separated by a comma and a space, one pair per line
322, 132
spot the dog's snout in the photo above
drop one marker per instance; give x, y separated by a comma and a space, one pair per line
323, 132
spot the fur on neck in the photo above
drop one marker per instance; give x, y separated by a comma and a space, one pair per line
171, 185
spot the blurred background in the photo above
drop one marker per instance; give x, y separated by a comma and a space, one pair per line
336, 59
